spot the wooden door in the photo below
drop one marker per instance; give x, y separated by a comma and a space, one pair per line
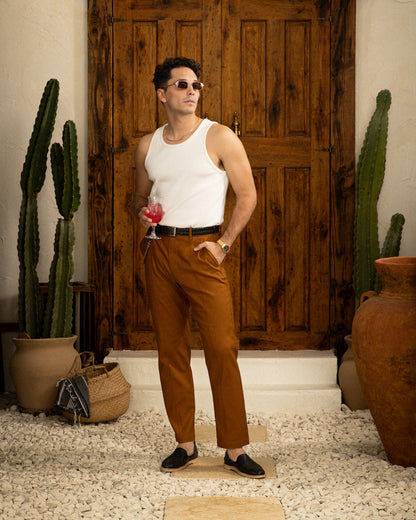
147, 32
277, 79
269, 62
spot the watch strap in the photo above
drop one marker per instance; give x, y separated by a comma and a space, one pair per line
225, 247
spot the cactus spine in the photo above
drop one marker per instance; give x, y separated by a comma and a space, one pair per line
369, 180
64, 161
31, 182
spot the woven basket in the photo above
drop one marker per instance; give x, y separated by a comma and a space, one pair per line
109, 393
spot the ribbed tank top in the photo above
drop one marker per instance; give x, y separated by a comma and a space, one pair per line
191, 187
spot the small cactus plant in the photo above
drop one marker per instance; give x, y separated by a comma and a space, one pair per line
368, 183
56, 320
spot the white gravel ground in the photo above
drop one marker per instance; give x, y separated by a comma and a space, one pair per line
329, 466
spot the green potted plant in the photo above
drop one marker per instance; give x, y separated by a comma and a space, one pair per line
369, 178
45, 347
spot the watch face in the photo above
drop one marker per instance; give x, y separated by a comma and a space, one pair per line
225, 247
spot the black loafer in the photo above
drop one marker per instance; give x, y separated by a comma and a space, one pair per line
244, 466
179, 459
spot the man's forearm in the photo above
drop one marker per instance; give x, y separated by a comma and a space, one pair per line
137, 203
240, 217
140, 199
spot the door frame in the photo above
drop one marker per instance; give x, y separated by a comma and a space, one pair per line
100, 168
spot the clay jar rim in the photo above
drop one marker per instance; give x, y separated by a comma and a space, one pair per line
49, 340
397, 260
398, 276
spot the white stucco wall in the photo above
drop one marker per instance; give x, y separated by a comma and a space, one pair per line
40, 39
386, 59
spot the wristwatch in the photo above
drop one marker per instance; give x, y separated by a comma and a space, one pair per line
225, 247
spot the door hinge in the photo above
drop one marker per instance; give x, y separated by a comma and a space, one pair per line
116, 333
329, 19
330, 149
117, 150
112, 20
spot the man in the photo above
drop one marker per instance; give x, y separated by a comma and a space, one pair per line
188, 162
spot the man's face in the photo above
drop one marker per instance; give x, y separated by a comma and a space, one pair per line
183, 101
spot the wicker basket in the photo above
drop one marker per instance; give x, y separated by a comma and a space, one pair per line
109, 393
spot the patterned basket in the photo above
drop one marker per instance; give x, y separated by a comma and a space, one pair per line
108, 390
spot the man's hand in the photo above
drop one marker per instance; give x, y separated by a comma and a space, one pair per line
215, 249
146, 222
140, 213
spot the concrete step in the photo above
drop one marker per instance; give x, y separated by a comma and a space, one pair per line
274, 381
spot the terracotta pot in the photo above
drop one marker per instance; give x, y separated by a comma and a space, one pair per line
384, 343
352, 394
37, 365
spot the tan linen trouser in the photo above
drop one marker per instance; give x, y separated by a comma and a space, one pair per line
178, 278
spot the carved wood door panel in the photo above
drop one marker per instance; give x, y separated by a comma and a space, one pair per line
277, 79
268, 62
148, 32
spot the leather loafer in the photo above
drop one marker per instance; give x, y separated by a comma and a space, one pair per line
244, 466
179, 459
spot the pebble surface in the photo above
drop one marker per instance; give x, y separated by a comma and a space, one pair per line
329, 466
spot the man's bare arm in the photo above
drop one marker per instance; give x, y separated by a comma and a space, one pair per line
235, 161
142, 185
227, 148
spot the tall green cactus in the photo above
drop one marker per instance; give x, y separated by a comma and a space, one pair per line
31, 182
56, 321
64, 161
368, 183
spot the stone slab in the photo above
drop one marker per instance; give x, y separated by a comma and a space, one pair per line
213, 468
207, 433
222, 508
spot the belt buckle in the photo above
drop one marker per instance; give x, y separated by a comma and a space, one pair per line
173, 230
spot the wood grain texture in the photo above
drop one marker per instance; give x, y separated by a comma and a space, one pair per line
342, 169
100, 174
287, 69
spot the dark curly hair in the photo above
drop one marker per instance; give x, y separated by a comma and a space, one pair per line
163, 70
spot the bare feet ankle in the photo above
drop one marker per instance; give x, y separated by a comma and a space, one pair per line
187, 446
235, 453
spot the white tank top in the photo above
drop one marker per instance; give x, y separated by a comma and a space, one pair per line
191, 187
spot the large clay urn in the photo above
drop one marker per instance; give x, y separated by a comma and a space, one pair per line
36, 367
384, 343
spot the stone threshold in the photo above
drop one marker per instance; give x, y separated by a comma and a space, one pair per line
294, 382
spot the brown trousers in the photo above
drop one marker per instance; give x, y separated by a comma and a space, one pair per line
178, 278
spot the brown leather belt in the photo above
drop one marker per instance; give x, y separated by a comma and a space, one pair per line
173, 231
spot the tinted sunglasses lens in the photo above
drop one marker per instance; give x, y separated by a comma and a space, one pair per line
196, 85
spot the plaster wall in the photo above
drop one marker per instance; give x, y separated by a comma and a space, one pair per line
385, 59
40, 39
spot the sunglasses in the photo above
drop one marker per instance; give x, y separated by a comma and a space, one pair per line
182, 84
